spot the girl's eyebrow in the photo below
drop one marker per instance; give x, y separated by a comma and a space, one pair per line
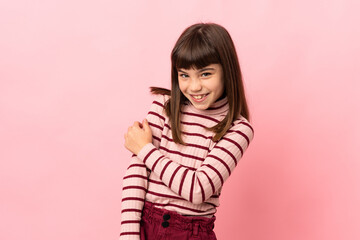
201, 70
206, 69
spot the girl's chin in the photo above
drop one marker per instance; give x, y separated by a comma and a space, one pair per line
200, 106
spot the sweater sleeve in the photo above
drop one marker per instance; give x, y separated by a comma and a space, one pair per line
199, 185
133, 196
135, 181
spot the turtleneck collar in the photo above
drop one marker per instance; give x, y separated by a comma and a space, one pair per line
219, 107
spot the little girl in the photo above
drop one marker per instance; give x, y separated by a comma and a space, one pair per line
190, 142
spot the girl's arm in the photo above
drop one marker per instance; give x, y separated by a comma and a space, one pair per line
135, 181
134, 189
198, 185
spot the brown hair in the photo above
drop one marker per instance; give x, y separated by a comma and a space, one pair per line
198, 46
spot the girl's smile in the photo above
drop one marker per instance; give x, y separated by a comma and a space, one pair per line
203, 86
199, 98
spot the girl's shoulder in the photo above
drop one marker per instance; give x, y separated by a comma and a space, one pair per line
158, 104
240, 119
242, 124
160, 99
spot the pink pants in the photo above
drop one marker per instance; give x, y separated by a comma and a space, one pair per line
161, 224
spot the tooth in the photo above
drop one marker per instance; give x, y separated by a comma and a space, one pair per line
199, 97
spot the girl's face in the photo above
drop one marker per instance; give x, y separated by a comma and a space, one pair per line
202, 86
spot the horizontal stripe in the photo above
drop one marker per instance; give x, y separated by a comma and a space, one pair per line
156, 138
130, 221
222, 161
155, 125
165, 195
129, 233
132, 199
193, 124
131, 210
181, 154
242, 134
198, 135
135, 176
158, 103
191, 134
228, 152
157, 115
235, 143
188, 144
156, 182
201, 116
137, 165
134, 187
179, 206
247, 124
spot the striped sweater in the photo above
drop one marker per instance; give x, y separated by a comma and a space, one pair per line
186, 179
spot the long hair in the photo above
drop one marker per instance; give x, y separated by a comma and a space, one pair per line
198, 46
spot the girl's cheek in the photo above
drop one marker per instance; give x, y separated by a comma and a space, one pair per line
182, 87
214, 84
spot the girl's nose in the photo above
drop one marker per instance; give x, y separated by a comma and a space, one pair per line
195, 85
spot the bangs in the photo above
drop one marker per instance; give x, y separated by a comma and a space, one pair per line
195, 52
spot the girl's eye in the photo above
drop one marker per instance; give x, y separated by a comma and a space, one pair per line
205, 74
183, 75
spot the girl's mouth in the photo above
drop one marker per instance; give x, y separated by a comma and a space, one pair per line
199, 98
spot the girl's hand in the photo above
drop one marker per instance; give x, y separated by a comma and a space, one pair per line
138, 136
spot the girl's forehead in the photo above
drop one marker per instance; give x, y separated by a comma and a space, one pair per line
209, 67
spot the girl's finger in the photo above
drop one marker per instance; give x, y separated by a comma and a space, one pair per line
146, 125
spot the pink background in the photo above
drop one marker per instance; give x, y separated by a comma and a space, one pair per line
75, 74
